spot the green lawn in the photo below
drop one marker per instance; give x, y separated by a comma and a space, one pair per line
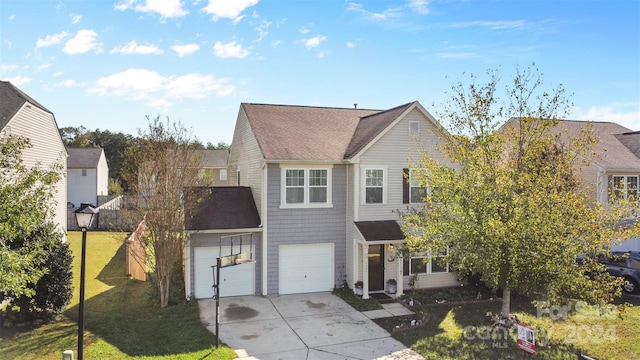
120, 322
447, 333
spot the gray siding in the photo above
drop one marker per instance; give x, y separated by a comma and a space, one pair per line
306, 225
47, 149
246, 157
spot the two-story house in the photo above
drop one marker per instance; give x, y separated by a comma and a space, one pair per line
87, 176
23, 116
326, 185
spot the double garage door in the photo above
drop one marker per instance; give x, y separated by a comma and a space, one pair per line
301, 268
234, 280
305, 268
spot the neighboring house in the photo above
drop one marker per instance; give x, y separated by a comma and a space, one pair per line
327, 185
214, 166
87, 176
22, 115
613, 169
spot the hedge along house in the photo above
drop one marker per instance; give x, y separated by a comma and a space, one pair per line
327, 184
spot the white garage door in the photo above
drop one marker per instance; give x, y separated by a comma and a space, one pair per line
305, 268
234, 280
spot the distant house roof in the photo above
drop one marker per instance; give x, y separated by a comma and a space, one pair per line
219, 208
380, 230
631, 140
11, 100
286, 132
83, 158
214, 158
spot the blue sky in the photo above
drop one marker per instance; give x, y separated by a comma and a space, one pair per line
108, 64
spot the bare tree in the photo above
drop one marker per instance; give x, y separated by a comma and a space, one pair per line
162, 165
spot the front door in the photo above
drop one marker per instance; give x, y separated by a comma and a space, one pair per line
376, 267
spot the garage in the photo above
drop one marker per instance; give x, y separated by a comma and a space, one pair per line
305, 268
234, 280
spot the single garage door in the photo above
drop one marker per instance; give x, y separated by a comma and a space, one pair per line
305, 268
234, 280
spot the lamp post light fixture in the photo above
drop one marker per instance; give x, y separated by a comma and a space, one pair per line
84, 217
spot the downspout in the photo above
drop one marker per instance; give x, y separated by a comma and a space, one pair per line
263, 219
187, 268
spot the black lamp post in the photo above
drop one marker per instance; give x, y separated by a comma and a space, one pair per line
84, 217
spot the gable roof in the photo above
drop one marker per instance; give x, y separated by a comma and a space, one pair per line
305, 133
631, 140
214, 158
223, 207
83, 158
370, 126
11, 100
610, 152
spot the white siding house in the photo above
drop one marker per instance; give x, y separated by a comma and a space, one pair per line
23, 116
87, 176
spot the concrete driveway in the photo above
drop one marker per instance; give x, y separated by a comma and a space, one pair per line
317, 326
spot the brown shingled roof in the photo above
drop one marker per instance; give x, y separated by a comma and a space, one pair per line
83, 158
370, 126
11, 99
631, 140
380, 230
303, 132
223, 207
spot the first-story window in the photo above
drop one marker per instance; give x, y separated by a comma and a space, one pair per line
306, 187
625, 186
423, 262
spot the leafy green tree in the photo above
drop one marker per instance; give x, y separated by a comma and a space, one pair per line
52, 292
26, 202
509, 207
161, 165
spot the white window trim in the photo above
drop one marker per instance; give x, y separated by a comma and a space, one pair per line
428, 268
305, 203
625, 182
385, 184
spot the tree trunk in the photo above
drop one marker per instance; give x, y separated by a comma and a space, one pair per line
164, 291
506, 302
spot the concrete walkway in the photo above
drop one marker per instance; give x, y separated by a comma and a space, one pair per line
317, 326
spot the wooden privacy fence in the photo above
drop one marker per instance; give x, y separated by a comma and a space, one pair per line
136, 258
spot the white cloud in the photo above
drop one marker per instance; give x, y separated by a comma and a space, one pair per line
84, 41
165, 8
68, 83
304, 30
133, 48
420, 6
230, 50
625, 114
237, 20
227, 9
314, 41
262, 30
4, 67
75, 18
186, 49
51, 39
12, 17
351, 45
19, 80
158, 90
493, 25
387, 14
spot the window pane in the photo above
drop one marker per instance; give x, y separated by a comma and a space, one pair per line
418, 194
418, 266
318, 177
295, 195
438, 267
295, 177
318, 195
374, 196
374, 177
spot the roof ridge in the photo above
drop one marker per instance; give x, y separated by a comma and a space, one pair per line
312, 106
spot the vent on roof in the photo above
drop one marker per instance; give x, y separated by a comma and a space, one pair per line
355, 106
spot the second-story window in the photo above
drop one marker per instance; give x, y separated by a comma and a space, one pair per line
625, 186
374, 186
306, 187
417, 192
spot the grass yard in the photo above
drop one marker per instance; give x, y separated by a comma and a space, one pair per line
448, 332
120, 321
